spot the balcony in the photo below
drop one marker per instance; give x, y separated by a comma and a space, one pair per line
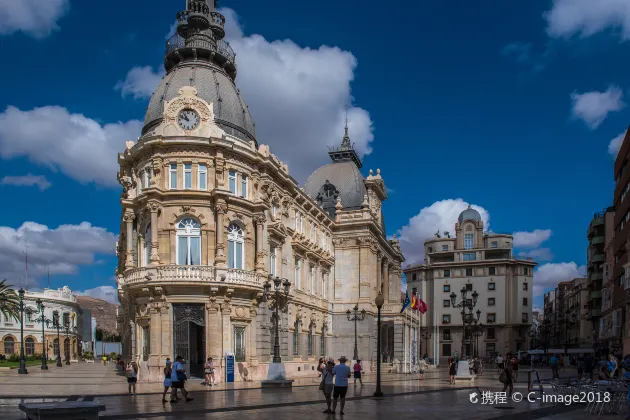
597, 258
192, 274
595, 294
595, 276
595, 240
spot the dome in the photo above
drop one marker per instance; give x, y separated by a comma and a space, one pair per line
469, 214
213, 86
345, 177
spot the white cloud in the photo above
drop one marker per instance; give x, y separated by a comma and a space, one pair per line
27, 181
588, 17
615, 145
297, 96
61, 250
531, 239
106, 293
594, 107
140, 82
36, 18
538, 254
71, 143
442, 216
549, 275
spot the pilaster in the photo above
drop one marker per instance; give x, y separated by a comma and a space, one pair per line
129, 217
154, 207
221, 210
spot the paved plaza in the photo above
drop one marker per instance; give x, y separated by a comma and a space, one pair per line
406, 397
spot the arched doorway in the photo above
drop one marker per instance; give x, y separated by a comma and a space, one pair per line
29, 346
189, 338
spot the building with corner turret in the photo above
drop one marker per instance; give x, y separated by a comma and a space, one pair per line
209, 215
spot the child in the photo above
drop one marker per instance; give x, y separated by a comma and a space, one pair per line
167, 378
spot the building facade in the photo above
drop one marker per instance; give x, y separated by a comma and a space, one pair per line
482, 262
60, 306
209, 215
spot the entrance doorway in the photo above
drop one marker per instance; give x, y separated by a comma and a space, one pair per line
189, 338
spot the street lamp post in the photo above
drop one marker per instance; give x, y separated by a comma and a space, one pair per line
277, 297
45, 322
66, 329
379, 304
57, 324
356, 316
22, 370
426, 336
463, 305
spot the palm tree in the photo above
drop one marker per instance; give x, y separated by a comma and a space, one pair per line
9, 301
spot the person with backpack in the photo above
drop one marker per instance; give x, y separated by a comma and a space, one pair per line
507, 379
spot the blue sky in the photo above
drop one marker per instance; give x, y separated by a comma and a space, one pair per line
510, 107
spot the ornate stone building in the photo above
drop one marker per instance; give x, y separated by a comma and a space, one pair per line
60, 306
208, 215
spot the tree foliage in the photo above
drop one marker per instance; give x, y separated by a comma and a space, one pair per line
9, 301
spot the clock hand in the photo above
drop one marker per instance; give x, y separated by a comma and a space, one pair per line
185, 117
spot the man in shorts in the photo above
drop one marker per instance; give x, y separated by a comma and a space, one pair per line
342, 374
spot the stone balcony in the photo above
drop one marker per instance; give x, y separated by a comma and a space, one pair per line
191, 274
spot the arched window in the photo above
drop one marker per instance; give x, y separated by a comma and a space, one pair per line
236, 247
29, 346
188, 242
296, 338
147, 246
9, 346
56, 347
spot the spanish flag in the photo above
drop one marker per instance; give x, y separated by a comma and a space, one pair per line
414, 302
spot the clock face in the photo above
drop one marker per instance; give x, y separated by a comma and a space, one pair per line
188, 119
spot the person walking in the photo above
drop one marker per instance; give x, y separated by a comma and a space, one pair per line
422, 365
132, 378
507, 379
500, 362
515, 362
357, 372
167, 378
553, 362
178, 380
342, 374
452, 370
207, 370
327, 384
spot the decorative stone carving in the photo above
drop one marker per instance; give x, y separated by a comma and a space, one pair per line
221, 207
188, 99
240, 311
260, 219
154, 206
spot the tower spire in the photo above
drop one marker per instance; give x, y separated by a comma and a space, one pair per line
345, 152
345, 142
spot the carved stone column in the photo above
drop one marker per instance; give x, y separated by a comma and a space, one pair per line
386, 280
260, 220
129, 218
155, 334
154, 207
221, 209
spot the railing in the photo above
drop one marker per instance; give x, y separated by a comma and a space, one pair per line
222, 47
599, 215
135, 275
217, 19
185, 272
244, 277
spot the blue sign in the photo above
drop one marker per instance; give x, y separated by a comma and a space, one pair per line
229, 367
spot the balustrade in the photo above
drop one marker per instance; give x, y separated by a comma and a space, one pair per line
186, 272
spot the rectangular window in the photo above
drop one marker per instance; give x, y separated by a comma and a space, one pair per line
470, 256
526, 271
322, 343
187, 176
312, 275
430, 250
446, 319
310, 343
492, 271
324, 285
490, 334
524, 286
202, 173
239, 344
272, 261
147, 178
447, 303
524, 301
446, 349
244, 186
444, 247
525, 318
447, 288
492, 286
490, 348
232, 181
173, 178
469, 272
447, 273
66, 319
490, 301
492, 318
296, 338
494, 244
446, 334
469, 240
469, 287
297, 273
